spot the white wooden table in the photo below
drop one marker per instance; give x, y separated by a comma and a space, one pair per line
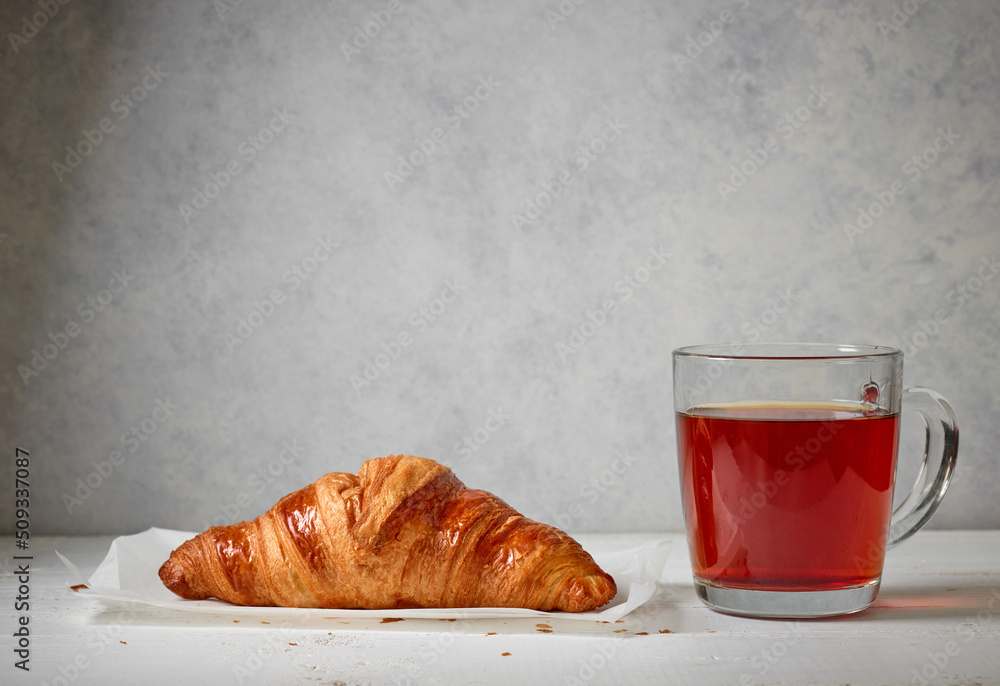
937, 621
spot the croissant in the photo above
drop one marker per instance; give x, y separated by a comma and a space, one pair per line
404, 532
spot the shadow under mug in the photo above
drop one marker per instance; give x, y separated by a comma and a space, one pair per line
787, 457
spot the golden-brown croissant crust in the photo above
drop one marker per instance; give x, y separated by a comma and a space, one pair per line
403, 532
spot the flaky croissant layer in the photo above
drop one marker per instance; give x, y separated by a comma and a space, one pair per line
403, 532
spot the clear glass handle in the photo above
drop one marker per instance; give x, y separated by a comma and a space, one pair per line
940, 450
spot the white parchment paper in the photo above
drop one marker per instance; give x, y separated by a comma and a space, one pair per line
129, 573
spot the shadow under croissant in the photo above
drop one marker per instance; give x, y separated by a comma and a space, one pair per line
114, 615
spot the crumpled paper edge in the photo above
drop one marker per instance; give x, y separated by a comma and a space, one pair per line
128, 573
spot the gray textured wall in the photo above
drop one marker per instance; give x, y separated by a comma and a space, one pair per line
213, 272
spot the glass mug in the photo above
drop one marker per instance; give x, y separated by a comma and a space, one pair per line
787, 456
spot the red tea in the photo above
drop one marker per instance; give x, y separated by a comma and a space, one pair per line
787, 496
